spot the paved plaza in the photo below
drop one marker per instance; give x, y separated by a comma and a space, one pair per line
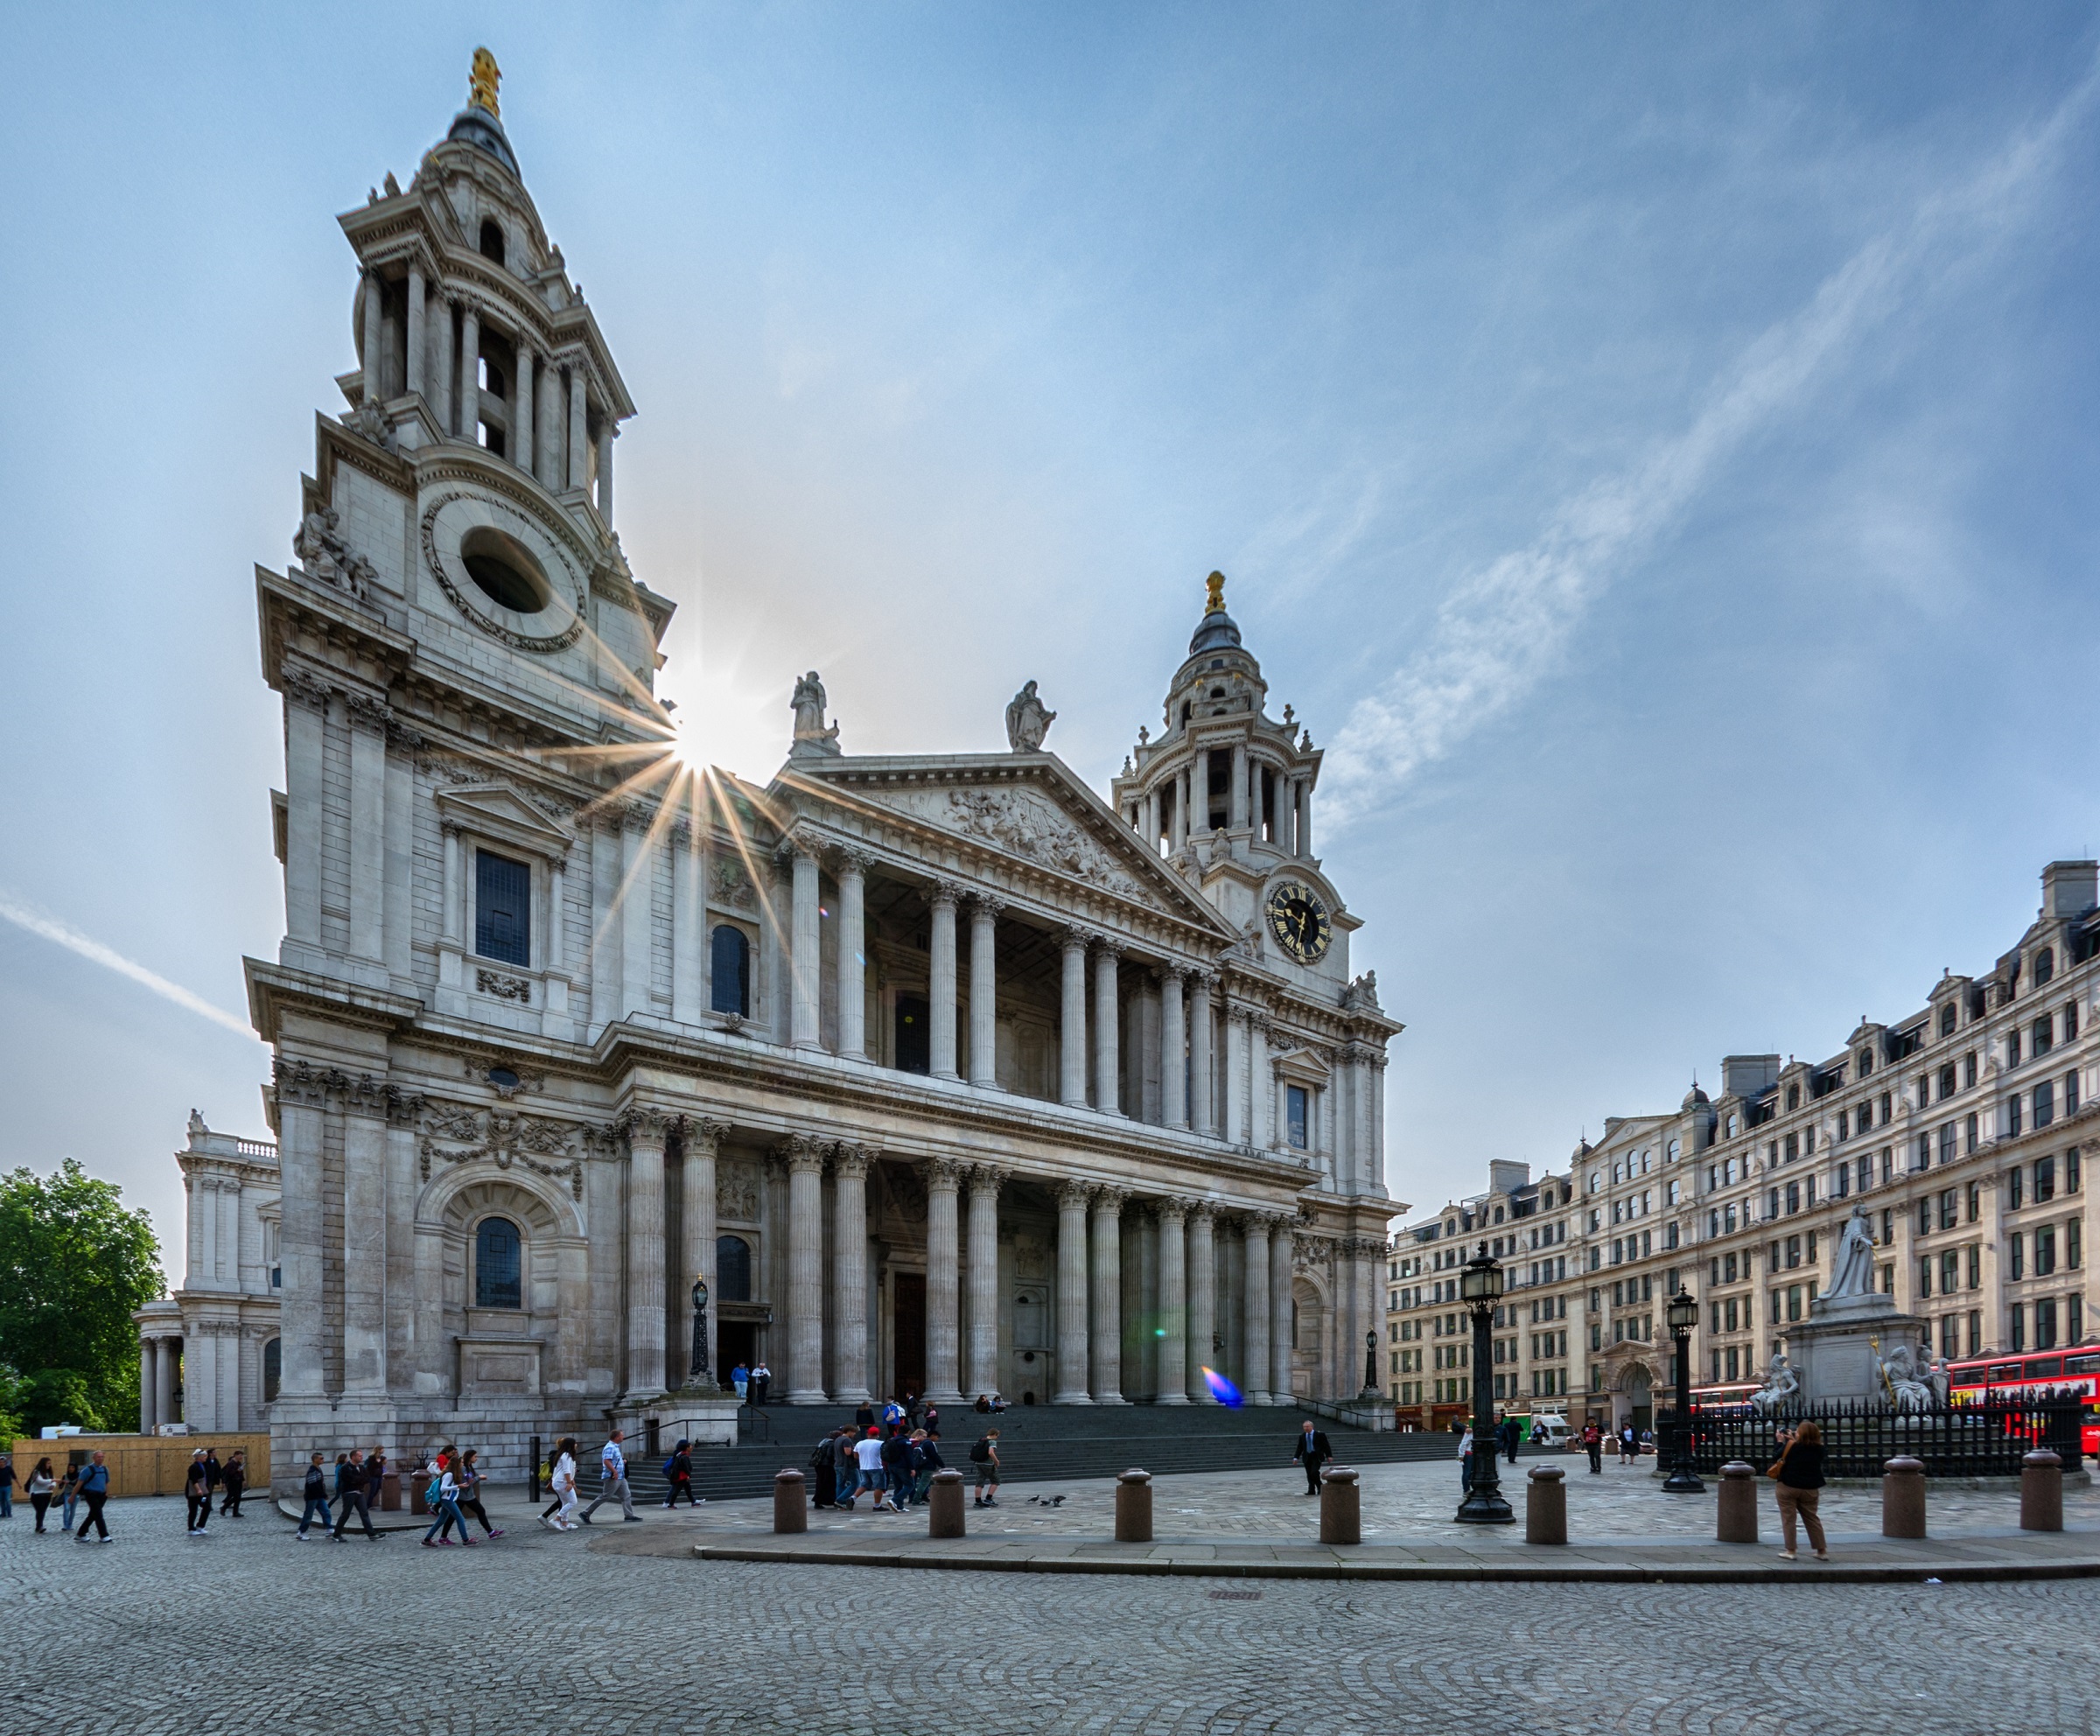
621, 1629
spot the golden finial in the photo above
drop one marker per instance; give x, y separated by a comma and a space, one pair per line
482, 80
1214, 600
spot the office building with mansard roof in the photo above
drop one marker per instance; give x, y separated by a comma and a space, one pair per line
939, 1071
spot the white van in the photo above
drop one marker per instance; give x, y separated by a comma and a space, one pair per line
1549, 1430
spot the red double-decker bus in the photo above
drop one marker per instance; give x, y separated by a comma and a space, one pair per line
2040, 1374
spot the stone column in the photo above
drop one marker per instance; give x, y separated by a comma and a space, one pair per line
470, 373
200, 1256
983, 1369
701, 1141
849, 1273
1106, 1040
940, 967
853, 866
374, 356
1283, 1246
1257, 808
1072, 1027
1104, 1319
1202, 1091
163, 1380
369, 716
1173, 1304
637, 877
305, 727
1254, 1302
777, 916
301, 1099
646, 1130
413, 372
689, 925
146, 1419
446, 379
579, 426
1304, 818
1149, 819
608, 431
983, 989
943, 1324
805, 957
1173, 1047
804, 1154
1203, 1301
1261, 1087
1235, 1071
1297, 822
1236, 799
520, 414
365, 1237
1072, 1294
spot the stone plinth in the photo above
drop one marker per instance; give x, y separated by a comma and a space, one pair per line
709, 1421
1834, 1351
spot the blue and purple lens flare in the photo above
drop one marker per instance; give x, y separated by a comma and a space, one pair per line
1222, 1389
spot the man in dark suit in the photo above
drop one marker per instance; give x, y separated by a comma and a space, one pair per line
1313, 1448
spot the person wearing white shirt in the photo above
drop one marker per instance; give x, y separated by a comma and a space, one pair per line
563, 1483
868, 1451
613, 1468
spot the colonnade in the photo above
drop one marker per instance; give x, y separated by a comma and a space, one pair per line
1289, 817
158, 1354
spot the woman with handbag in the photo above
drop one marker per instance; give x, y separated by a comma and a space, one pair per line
1798, 1471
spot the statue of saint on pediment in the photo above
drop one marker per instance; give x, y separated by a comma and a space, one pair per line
1028, 721
812, 735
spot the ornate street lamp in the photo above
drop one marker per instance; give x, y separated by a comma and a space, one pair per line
1682, 1315
698, 1378
1480, 1288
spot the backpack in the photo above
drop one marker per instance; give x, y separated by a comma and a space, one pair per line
435, 1493
670, 1467
981, 1454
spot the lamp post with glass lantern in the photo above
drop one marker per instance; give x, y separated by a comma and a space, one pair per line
1682, 1315
1480, 1288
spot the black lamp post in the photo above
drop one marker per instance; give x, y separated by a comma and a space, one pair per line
1480, 1288
698, 1377
1370, 1369
1682, 1315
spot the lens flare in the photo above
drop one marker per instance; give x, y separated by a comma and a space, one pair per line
1221, 1388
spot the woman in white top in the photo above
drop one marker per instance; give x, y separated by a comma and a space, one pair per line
564, 1486
1466, 1460
41, 1484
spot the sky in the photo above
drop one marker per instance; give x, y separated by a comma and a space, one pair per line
1651, 448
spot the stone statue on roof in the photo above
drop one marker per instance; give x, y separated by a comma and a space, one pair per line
812, 734
1028, 721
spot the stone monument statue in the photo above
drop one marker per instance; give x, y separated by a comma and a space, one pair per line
1854, 1265
1028, 721
812, 735
1781, 1384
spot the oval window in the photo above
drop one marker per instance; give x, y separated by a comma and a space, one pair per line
505, 571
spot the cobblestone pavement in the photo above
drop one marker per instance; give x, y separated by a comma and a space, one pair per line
248, 1631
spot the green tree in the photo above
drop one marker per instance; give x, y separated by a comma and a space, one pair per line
73, 1266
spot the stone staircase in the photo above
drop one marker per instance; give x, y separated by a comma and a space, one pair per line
1037, 1444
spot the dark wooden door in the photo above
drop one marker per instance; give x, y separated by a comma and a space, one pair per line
914, 1035
908, 1292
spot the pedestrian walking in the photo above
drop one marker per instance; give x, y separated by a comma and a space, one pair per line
353, 1494
95, 1490
441, 1497
197, 1491
985, 1457
612, 1481
846, 1459
1798, 1472
562, 1479
1593, 1444
1465, 1462
469, 1479
69, 1491
739, 1377
761, 1383
1512, 1436
214, 1473
375, 1479
929, 1419
232, 1481
1629, 1445
678, 1472
892, 1413
925, 1459
868, 1452
316, 1493
897, 1470
7, 1486
1313, 1451
42, 1485
823, 1470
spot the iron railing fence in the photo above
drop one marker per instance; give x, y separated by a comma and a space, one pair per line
1860, 1437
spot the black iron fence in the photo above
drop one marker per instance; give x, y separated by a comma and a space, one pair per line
1859, 1439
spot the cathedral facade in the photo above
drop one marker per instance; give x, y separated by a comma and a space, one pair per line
941, 1071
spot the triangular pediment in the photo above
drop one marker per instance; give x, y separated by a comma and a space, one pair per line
502, 811
1028, 806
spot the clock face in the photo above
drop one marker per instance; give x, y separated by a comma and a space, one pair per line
1298, 917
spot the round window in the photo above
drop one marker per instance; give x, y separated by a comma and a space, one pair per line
505, 570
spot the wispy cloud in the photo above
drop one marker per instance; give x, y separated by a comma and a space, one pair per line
73, 941
1505, 626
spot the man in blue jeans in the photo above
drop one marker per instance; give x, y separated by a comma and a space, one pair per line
316, 1491
95, 1490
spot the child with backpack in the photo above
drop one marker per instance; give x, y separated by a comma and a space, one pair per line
678, 1472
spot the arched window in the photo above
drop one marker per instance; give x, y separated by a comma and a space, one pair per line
498, 1269
2045, 965
492, 239
729, 961
273, 1368
732, 1267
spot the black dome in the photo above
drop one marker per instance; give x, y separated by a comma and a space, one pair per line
475, 125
